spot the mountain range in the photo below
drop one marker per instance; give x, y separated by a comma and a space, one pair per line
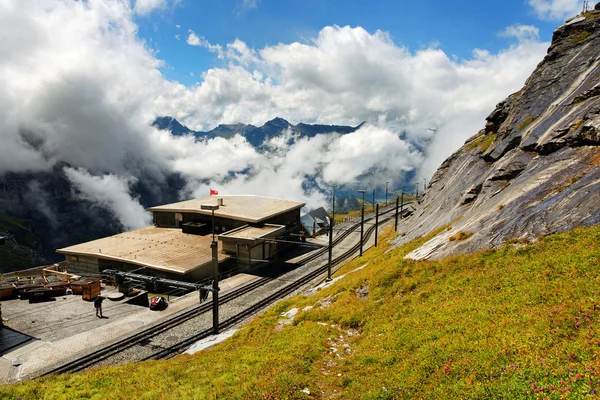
256, 136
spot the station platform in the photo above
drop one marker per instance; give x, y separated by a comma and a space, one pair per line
77, 330
29, 349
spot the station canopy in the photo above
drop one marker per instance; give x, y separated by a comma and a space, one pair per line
163, 249
248, 208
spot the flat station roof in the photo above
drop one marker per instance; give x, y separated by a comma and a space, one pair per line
164, 249
252, 233
247, 208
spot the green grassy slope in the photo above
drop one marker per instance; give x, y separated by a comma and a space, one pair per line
518, 322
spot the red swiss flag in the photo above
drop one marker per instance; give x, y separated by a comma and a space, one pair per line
213, 192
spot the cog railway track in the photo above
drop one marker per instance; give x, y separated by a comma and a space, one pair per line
141, 338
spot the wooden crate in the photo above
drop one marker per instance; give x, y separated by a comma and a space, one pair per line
91, 290
6, 291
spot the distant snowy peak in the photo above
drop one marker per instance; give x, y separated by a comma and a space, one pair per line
255, 135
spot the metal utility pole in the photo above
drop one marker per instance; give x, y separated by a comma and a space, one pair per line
362, 220
215, 293
376, 222
331, 224
215, 264
417, 192
386, 193
424, 185
396, 220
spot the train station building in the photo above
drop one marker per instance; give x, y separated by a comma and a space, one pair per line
177, 246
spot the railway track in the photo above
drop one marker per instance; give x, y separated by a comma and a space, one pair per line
97, 356
279, 294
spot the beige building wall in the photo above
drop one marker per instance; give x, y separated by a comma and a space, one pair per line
82, 265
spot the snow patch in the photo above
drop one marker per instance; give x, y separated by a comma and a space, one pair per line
210, 341
331, 282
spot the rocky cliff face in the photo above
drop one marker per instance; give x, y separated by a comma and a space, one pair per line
535, 168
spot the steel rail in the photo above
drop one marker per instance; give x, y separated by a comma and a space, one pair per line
105, 352
279, 294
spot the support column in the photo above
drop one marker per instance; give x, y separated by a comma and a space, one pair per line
396, 219
376, 222
362, 228
215, 292
331, 224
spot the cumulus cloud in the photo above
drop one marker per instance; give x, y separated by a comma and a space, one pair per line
522, 32
195, 40
283, 170
555, 9
144, 7
81, 87
75, 88
112, 193
348, 75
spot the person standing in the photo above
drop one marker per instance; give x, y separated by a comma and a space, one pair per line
98, 305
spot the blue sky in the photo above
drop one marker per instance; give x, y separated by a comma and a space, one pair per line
456, 27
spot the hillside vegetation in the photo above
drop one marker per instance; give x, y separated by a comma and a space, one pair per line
517, 322
18, 252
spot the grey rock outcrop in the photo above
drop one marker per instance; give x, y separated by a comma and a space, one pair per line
535, 168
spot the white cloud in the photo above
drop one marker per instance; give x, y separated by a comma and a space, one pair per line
178, 37
326, 159
177, 26
347, 75
144, 7
556, 9
522, 32
245, 5
195, 40
75, 87
239, 52
79, 86
110, 192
